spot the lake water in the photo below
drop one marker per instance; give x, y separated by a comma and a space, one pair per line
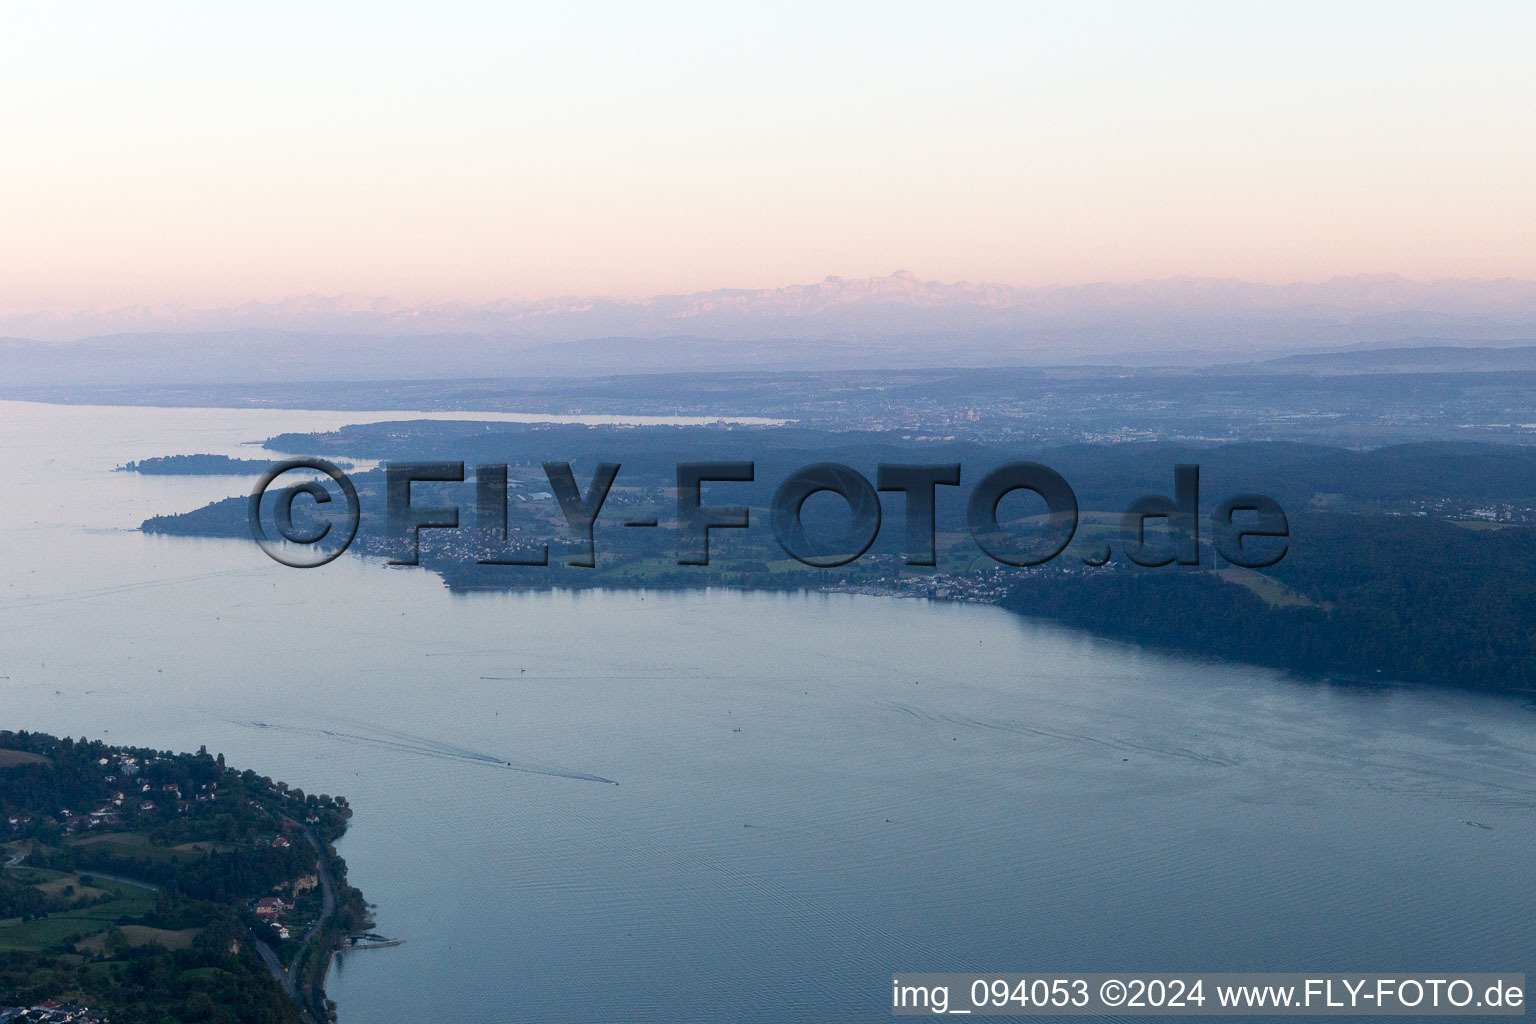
812, 791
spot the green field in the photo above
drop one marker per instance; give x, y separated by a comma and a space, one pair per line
43, 933
139, 935
135, 845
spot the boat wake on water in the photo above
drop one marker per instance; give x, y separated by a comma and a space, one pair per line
424, 746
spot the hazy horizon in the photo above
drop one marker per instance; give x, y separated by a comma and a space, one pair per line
750, 311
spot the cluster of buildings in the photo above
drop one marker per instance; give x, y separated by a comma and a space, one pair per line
983, 587
143, 800
50, 1012
268, 909
1461, 509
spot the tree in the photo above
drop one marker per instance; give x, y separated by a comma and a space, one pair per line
199, 1007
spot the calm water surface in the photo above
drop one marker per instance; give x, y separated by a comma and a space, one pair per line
811, 791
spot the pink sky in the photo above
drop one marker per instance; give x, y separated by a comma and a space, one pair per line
207, 157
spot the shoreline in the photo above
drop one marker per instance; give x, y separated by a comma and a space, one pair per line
182, 857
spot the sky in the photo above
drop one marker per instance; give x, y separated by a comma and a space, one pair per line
212, 154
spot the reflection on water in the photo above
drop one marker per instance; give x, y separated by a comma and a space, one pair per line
811, 791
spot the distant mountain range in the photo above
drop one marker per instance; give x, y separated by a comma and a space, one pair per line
1425, 358
897, 321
